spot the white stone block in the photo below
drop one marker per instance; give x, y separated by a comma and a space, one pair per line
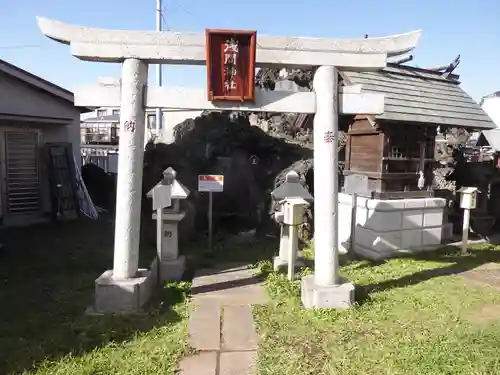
435, 202
411, 239
383, 227
383, 220
365, 237
346, 199
385, 205
361, 216
432, 236
433, 217
387, 242
378, 241
413, 219
414, 203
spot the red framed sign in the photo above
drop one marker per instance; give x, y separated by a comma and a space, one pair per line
231, 64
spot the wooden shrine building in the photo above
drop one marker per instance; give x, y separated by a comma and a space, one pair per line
391, 149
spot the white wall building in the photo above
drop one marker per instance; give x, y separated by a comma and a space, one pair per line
491, 105
33, 112
170, 119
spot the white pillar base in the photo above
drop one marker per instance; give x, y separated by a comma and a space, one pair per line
124, 296
169, 269
280, 264
338, 296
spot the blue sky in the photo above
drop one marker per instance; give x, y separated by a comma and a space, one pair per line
467, 27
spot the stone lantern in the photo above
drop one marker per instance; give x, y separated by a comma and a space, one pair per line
290, 189
170, 265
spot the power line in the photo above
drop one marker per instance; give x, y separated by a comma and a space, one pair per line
164, 20
182, 8
21, 46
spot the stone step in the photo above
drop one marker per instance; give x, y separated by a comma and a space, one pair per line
204, 327
203, 363
238, 363
238, 331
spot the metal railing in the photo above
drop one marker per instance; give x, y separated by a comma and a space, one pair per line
104, 156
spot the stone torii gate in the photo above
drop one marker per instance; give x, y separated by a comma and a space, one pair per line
137, 49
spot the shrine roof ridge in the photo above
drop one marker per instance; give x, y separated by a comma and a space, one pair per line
188, 47
419, 96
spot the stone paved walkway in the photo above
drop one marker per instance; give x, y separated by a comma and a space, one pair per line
221, 326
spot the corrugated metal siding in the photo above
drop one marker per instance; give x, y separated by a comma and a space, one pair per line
416, 96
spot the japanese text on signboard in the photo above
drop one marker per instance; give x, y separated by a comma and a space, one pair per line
231, 64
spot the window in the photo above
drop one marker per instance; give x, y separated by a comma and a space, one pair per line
404, 147
101, 112
116, 112
151, 121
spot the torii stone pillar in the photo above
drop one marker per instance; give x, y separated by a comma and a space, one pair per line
326, 131
126, 288
324, 289
130, 168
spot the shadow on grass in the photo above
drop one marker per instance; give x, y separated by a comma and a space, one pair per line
47, 275
457, 264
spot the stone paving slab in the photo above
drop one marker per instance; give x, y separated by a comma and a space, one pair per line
238, 331
230, 285
204, 363
231, 289
204, 327
238, 363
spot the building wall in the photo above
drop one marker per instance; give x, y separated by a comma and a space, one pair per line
491, 105
26, 108
20, 98
170, 120
47, 133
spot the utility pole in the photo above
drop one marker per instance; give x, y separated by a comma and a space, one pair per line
159, 112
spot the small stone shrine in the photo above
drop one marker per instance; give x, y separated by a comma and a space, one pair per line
390, 160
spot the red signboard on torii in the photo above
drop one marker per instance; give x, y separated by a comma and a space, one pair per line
231, 64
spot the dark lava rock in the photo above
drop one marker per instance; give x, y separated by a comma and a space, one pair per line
225, 143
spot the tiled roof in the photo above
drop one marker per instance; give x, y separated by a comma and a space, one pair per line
416, 95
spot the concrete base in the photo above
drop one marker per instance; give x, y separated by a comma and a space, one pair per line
385, 227
339, 296
280, 264
122, 296
171, 270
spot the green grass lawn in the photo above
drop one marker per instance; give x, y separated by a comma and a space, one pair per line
416, 316
47, 278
